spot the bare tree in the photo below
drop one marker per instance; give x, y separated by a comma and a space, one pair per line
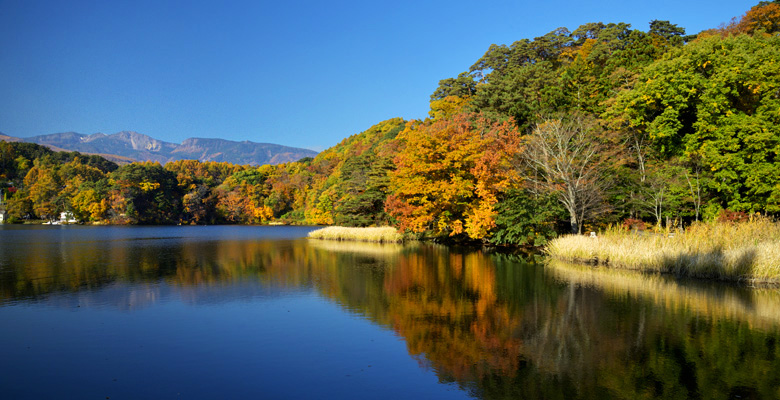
694, 183
565, 158
637, 142
664, 190
657, 187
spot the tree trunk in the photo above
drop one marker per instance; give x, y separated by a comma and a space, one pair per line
574, 224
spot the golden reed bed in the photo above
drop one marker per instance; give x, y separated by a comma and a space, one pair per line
384, 234
746, 252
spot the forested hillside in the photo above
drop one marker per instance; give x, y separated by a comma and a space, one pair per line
605, 124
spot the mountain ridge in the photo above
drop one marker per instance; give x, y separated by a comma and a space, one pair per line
141, 147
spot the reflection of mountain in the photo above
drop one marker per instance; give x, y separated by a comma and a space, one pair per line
126, 296
495, 325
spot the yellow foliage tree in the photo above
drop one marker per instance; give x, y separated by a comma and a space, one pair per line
447, 107
449, 174
88, 204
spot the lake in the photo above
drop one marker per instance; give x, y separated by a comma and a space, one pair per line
262, 312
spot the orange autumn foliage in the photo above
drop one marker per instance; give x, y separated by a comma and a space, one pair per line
449, 174
761, 18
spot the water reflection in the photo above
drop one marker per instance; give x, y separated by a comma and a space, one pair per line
758, 306
494, 324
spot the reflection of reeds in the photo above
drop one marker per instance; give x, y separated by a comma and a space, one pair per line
757, 306
739, 252
383, 234
375, 249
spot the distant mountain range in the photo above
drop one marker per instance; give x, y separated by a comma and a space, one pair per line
10, 138
135, 146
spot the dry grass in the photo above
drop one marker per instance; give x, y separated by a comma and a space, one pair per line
748, 251
384, 234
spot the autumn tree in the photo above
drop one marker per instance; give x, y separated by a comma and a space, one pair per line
763, 18
19, 206
337, 191
287, 187
90, 202
43, 188
144, 193
563, 158
84, 189
241, 197
198, 181
449, 174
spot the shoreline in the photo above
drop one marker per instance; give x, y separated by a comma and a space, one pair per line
745, 253
596, 265
742, 253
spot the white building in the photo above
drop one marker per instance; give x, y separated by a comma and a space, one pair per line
67, 218
3, 214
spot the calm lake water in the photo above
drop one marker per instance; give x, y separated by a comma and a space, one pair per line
262, 312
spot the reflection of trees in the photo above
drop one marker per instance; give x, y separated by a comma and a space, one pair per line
445, 305
563, 341
497, 326
686, 340
756, 306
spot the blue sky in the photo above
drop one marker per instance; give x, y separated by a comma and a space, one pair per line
298, 73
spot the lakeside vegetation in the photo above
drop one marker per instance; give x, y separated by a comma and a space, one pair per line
384, 234
747, 251
567, 132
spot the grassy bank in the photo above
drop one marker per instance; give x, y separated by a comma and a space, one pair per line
748, 251
382, 234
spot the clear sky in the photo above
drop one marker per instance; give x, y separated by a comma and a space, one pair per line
297, 73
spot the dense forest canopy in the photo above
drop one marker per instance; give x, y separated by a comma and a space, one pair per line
568, 131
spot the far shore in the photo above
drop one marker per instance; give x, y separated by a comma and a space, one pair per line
746, 252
